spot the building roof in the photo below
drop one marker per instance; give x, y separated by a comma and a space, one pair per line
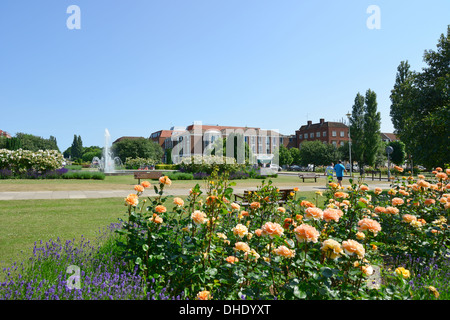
324, 124
126, 137
388, 136
4, 134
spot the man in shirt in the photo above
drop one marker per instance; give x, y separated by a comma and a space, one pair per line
340, 169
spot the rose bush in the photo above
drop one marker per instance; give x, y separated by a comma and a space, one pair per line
301, 250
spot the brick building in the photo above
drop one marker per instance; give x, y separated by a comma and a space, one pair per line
335, 133
4, 134
197, 139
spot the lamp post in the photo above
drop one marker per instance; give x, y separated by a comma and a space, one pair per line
350, 144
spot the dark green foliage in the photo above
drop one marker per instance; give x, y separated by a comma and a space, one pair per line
137, 148
420, 106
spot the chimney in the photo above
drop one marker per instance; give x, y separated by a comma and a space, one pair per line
309, 122
322, 121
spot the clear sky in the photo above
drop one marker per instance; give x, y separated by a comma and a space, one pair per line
138, 66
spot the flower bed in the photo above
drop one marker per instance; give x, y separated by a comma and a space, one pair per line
212, 248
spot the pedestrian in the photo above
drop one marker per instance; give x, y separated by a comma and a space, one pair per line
339, 169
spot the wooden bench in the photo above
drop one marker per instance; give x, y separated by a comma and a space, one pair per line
147, 175
308, 175
244, 200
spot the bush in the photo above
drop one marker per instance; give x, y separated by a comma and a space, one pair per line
210, 247
179, 175
19, 161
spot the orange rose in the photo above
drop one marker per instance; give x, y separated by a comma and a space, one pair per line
165, 180
380, 209
255, 205
369, 225
314, 213
145, 184
160, 209
284, 252
409, 218
332, 247
341, 194
397, 201
156, 219
242, 246
332, 214
308, 204
132, 200
271, 229
199, 217
441, 176
364, 187
235, 206
392, 210
428, 202
204, 295
178, 201
288, 222
351, 247
378, 190
240, 230
139, 188
232, 259
306, 233
281, 209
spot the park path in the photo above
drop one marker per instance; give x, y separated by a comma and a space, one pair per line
95, 194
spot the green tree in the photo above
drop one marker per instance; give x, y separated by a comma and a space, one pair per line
372, 139
137, 148
284, 156
357, 128
420, 106
295, 154
77, 147
35, 143
398, 156
315, 153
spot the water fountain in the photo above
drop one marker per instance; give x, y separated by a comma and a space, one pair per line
108, 161
107, 164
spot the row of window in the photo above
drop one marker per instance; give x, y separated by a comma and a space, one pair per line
324, 134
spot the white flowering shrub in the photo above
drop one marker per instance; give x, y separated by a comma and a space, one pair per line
206, 164
24, 160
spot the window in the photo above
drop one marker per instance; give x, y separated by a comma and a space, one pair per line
306, 136
317, 134
342, 143
342, 134
333, 133
324, 134
334, 143
300, 136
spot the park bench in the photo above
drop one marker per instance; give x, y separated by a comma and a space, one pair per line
308, 175
147, 175
244, 200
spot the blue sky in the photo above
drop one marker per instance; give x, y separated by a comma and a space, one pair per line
139, 66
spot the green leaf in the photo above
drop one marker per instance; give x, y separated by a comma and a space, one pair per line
299, 294
326, 272
145, 247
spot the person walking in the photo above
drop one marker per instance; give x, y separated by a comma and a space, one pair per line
340, 169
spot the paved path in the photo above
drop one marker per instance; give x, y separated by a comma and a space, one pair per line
91, 194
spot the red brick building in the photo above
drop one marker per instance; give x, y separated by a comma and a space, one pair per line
4, 134
335, 133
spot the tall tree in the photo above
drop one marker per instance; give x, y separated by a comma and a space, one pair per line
357, 128
76, 147
372, 139
420, 106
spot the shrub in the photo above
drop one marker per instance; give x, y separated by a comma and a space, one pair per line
19, 161
167, 166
